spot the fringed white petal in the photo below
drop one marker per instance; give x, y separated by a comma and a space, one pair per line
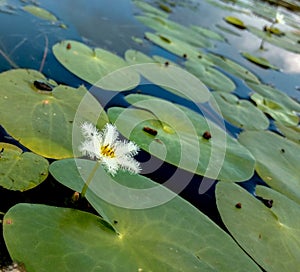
121, 154
89, 130
111, 164
129, 164
126, 148
110, 135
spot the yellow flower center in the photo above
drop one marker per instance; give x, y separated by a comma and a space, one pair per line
107, 151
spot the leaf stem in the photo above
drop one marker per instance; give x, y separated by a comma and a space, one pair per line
89, 179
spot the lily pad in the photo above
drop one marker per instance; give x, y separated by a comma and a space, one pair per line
137, 240
291, 132
232, 67
235, 22
180, 139
166, 75
173, 29
174, 45
208, 33
92, 65
260, 230
21, 171
275, 110
40, 12
210, 76
40, 115
287, 42
241, 113
276, 95
260, 61
277, 160
147, 8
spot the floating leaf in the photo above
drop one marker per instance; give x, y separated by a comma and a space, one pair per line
276, 95
277, 160
135, 206
174, 45
43, 118
240, 113
260, 230
21, 171
208, 33
95, 66
173, 78
288, 42
232, 67
147, 8
210, 76
175, 30
291, 132
180, 139
275, 110
262, 62
40, 12
235, 22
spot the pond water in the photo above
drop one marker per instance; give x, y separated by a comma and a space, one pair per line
26, 41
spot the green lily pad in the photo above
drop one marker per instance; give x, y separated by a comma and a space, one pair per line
287, 42
147, 8
240, 113
276, 95
171, 77
232, 67
175, 30
95, 66
208, 33
277, 160
40, 12
235, 22
180, 138
174, 45
275, 110
21, 171
141, 240
210, 76
42, 118
260, 230
260, 61
291, 132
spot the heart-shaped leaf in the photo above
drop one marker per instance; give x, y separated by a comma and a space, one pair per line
183, 138
260, 230
44, 115
21, 171
94, 65
277, 160
150, 239
240, 113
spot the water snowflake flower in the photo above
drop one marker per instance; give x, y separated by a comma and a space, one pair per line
105, 147
279, 19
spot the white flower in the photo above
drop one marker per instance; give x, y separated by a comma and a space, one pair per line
105, 147
279, 18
